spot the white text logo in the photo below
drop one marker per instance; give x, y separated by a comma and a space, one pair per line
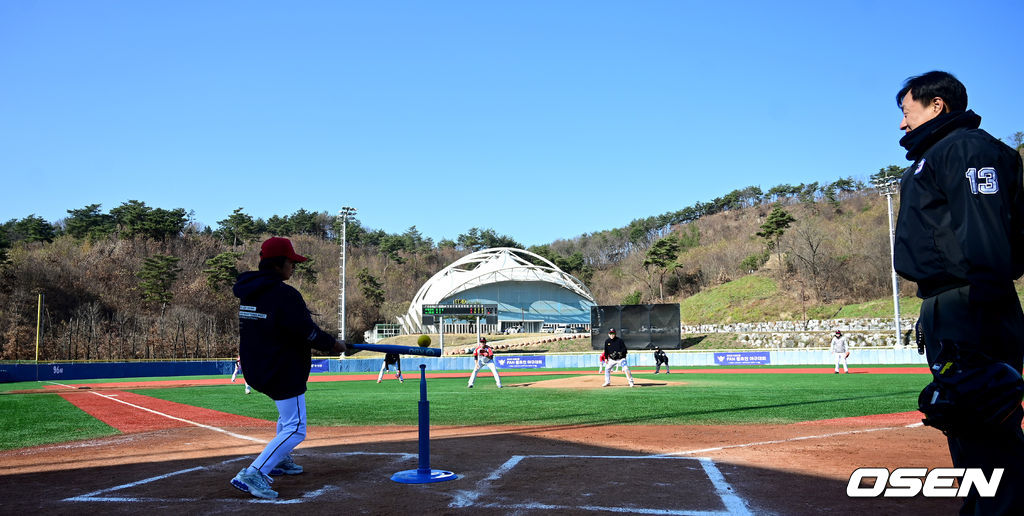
937, 483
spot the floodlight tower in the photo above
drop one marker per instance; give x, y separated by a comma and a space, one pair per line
887, 186
344, 213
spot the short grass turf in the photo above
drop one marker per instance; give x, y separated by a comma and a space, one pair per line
703, 400
34, 419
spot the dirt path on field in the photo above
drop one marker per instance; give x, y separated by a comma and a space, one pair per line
174, 458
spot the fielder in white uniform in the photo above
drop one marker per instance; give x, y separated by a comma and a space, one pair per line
839, 351
238, 369
484, 356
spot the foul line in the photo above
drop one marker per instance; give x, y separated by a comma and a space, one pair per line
791, 439
95, 496
168, 416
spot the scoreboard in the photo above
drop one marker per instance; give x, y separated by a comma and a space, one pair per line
432, 314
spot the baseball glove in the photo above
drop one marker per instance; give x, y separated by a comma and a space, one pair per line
616, 355
970, 393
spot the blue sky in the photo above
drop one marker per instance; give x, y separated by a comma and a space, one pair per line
539, 119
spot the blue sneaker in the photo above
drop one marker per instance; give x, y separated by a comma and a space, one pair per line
286, 467
254, 483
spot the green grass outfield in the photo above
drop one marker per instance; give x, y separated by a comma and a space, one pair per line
718, 398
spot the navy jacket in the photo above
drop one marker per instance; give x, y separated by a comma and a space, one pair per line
276, 333
961, 218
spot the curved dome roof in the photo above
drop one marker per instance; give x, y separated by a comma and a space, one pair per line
487, 267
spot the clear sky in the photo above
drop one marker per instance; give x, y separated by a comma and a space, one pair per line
539, 119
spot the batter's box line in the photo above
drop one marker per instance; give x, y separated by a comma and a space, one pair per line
734, 504
97, 496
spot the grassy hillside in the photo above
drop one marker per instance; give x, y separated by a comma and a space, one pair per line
750, 298
756, 298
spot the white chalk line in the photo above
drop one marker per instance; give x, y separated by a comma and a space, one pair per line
734, 504
168, 416
791, 439
95, 496
601, 508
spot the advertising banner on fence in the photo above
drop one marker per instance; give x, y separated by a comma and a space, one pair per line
319, 365
520, 362
743, 358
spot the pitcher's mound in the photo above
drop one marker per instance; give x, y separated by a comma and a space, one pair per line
595, 382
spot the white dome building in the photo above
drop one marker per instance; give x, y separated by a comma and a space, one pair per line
527, 295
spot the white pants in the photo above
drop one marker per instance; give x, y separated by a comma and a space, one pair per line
841, 358
235, 375
609, 364
291, 430
384, 367
490, 364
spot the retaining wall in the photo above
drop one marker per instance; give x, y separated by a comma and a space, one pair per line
410, 365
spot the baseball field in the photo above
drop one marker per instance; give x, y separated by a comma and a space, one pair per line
752, 440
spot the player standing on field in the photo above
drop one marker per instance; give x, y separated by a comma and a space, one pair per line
484, 356
238, 369
960, 236
615, 354
660, 358
276, 334
391, 359
839, 351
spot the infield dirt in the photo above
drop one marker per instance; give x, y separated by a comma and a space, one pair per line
171, 465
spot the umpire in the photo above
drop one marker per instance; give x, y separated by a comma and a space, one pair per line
960, 236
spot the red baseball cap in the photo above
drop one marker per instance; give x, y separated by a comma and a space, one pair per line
280, 246
611, 330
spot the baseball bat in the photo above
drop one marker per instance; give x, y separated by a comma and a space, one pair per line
401, 350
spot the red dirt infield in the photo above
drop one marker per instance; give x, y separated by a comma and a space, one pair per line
177, 458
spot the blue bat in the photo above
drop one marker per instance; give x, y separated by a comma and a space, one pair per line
389, 348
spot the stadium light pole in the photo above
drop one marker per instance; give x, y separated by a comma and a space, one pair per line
887, 186
344, 213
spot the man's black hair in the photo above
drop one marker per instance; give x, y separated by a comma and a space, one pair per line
272, 264
925, 87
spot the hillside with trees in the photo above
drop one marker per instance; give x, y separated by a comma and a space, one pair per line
140, 282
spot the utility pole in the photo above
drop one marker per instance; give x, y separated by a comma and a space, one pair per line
887, 186
344, 213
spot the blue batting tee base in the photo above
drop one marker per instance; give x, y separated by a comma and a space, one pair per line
423, 474
419, 476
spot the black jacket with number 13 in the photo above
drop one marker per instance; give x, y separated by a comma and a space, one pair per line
961, 218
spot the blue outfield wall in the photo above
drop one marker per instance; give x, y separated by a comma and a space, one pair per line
80, 371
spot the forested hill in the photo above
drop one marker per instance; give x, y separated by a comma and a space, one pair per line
143, 282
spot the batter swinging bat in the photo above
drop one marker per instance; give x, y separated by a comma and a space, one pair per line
390, 348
